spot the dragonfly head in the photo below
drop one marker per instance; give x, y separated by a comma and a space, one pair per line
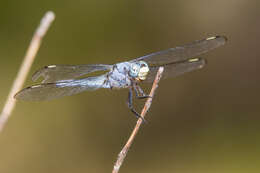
139, 70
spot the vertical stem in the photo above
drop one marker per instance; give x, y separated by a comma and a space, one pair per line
25, 66
123, 153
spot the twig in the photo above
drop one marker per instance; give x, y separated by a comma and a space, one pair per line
123, 153
25, 66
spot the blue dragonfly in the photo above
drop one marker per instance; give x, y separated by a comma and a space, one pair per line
66, 80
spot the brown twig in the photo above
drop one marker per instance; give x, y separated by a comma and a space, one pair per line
123, 153
25, 66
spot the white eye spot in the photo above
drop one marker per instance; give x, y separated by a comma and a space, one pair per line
143, 72
139, 70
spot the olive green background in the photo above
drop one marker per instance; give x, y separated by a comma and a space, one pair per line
206, 121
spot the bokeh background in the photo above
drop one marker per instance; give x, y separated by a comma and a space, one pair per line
206, 121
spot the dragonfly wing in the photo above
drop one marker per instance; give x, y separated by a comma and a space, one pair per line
48, 91
54, 73
176, 69
185, 52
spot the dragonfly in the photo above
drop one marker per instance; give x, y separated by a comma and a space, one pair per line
66, 80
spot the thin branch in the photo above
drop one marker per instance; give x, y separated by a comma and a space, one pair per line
25, 66
123, 153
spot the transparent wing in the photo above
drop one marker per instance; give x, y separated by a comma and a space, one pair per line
185, 52
176, 69
48, 91
53, 73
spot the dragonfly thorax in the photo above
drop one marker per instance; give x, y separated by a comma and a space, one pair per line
139, 70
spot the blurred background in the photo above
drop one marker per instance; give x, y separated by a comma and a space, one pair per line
206, 121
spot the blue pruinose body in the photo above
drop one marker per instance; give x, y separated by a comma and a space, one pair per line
65, 80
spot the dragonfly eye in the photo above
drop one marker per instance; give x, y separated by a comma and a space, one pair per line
144, 69
135, 68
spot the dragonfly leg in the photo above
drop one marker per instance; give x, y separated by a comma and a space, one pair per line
107, 82
139, 92
130, 105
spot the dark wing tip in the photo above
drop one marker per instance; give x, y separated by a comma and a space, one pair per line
222, 36
221, 39
23, 94
19, 94
15, 96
